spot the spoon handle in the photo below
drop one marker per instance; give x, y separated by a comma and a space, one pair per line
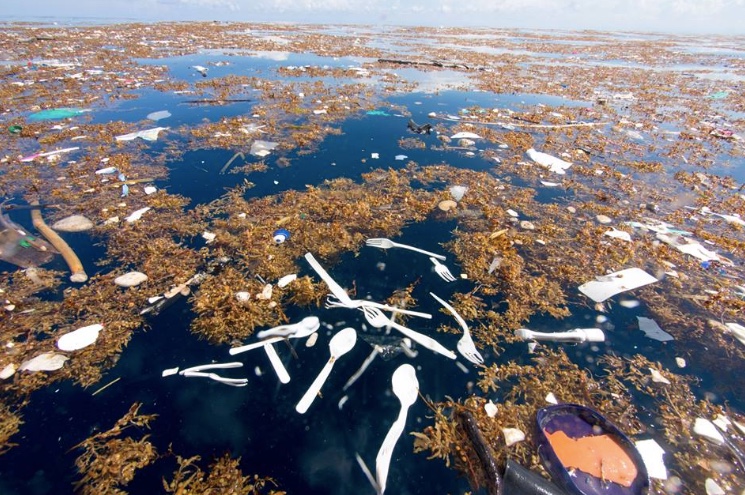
424, 340
315, 387
279, 368
383, 460
237, 350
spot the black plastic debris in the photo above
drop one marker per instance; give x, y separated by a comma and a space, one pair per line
419, 129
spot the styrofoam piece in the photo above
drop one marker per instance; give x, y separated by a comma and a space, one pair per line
136, 215
652, 453
284, 281
708, 430
80, 338
147, 134
465, 135
554, 164
48, 361
606, 286
652, 330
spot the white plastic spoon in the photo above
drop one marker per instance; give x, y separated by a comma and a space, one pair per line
305, 328
289, 330
406, 388
340, 344
276, 362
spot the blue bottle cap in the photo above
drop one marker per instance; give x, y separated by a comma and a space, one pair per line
280, 236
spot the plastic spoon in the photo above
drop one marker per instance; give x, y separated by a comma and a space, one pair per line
276, 362
406, 388
340, 344
289, 330
305, 328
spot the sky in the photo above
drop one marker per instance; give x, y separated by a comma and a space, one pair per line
670, 16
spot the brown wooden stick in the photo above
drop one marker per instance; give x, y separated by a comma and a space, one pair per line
72, 260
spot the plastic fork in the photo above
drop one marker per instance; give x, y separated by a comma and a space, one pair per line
378, 319
466, 347
334, 302
576, 335
383, 243
442, 270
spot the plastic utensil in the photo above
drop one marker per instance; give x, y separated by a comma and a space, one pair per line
332, 302
466, 347
376, 318
340, 344
290, 330
576, 335
383, 243
335, 288
305, 328
406, 388
442, 270
276, 363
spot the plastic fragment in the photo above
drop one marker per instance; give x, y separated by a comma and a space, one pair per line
465, 135
287, 279
551, 398
556, 165
652, 455
80, 338
706, 429
652, 330
657, 377
130, 279
136, 215
47, 361
156, 116
73, 223
491, 409
8, 371
606, 286
169, 372
512, 436
712, 488
147, 134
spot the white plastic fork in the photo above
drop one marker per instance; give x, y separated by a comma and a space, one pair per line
334, 302
378, 319
383, 243
442, 270
466, 347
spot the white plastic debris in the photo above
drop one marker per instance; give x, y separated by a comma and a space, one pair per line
169, 372
708, 430
262, 148
343, 401
606, 286
712, 488
73, 223
266, 292
209, 237
680, 362
159, 115
374, 156
512, 436
465, 135
243, 296
604, 219
491, 409
287, 279
652, 330
549, 183
106, 171
130, 279
48, 361
311, 341
400, 158
722, 422
556, 165
657, 377
629, 303
652, 453
202, 70
8, 371
618, 234
147, 134
551, 398
512, 213
692, 247
150, 190
80, 338
737, 331
136, 215
457, 192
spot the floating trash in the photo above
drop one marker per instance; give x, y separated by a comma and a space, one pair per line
280, 236
465, 135
8, 371
447, 205
512, 436
80, 338
657, 377
57, 113
652, 455
457, 192
208, 237
652, 330
262, 148
136, 215
131, 279
150, 190
556, 165
490, 408
606, 286
160, 115
48, 361
146, 135
73, 223
286, 280
106, 171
